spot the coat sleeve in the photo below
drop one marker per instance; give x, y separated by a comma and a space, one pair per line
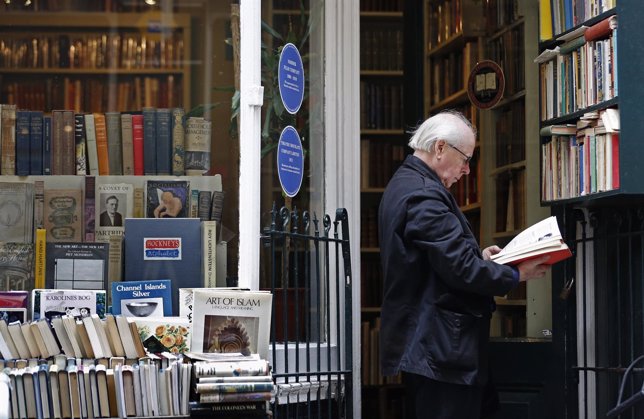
434, 227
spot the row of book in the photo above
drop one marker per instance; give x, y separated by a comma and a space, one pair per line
581, 72
504, 50
447, 18
92, 93
381, 105
381, 47
82, 337
111, 50
583, 158
82, 6
151, 142
75, 322
449, 73
378, 162
557, 16
381, 5
65, 387
370, 355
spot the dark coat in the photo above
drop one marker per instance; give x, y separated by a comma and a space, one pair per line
106, 221
438, 290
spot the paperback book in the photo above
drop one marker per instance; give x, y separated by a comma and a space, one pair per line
16, 266
231, 322
142, 298
47, 303
63, 215
540, 239
76, 266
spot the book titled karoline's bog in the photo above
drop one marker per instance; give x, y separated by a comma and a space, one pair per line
142, 298
164, 248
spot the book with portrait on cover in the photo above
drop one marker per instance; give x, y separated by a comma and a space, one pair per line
540, 239
231, 322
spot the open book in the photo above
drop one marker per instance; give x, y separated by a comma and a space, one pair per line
542, 238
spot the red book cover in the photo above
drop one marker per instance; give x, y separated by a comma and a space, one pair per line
137, 142
600, 30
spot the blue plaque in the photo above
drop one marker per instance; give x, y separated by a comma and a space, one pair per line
290, 161
290, 74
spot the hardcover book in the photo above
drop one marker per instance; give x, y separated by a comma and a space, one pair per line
164, 334
23, 152
36, 142
167, 198
197, 146
178, 141
90, 135
114, 203
80, 141
540, 239
164, 141
47, 303
16, 266
164, 249
231, 321
76, 266
142, 298
63, 215
16, 212
8, 140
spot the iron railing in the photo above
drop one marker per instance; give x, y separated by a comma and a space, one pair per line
311, 342
608, 332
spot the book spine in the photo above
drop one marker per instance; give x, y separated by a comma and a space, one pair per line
128, 145
203, 207
164, 141
68, 158
233, 397
101, 144
209, 251
197, 147
149, 141
113, 125
178, 142
222, 263
46, 146
40, 258
23, 152
137, 144
90, 208
36, 142
39, 203
81, 146
194, 203
139, 203
8, 133
90, 135
217, 205
222, 388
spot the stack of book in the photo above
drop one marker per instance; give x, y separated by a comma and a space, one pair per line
233, 386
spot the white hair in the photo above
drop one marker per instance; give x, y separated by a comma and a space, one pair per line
450, 126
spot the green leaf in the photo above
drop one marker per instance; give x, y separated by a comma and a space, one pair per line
271, 31
199, 110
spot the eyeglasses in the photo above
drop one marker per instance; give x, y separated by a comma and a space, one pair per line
467, 158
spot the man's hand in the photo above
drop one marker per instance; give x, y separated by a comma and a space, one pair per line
489, 251
533, 268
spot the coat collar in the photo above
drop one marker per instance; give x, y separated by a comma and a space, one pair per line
421, 167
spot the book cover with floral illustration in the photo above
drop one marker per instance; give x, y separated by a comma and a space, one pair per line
164, 334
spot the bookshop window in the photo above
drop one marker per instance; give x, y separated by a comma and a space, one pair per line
136, 57
293, 30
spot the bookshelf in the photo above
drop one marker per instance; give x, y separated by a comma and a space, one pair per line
454, 33
95, 62
597, 159
382, 149
512, 162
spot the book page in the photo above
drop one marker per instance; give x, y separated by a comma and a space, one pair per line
543, 233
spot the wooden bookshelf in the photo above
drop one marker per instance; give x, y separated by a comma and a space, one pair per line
453, 45
511, 204
382, 150
93, 45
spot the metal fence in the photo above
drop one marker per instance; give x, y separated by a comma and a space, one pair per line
310, 278
607, 333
